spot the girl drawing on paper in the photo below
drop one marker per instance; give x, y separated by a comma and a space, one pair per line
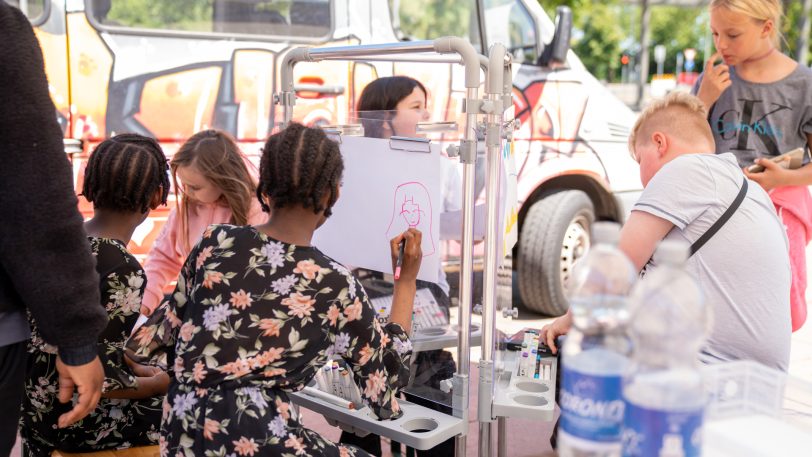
412, 209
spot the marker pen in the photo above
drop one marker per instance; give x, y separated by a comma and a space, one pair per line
332, 399
399, 262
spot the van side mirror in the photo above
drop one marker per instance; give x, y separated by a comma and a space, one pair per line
556, 50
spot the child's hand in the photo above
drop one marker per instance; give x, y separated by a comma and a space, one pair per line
555, 329
412, 253
715, 80
774, 175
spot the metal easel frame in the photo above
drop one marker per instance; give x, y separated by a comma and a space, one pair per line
498, 90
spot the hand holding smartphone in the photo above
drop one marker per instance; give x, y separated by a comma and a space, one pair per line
789, 160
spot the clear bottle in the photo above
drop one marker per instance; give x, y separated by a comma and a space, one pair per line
663, 389
596, 349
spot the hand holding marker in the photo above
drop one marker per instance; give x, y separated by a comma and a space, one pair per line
399, 263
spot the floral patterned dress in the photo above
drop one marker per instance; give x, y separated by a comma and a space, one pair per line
115, 423
252, 319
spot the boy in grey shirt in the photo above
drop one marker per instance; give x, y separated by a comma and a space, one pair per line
743, 270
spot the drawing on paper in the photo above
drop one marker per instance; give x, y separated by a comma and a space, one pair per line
411, 208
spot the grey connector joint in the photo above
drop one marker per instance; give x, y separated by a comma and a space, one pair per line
510, 312
467, 151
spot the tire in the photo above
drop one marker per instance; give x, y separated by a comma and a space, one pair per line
555, 233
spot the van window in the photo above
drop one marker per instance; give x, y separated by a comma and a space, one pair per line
34, 10
278, 18
508, 22
430, 19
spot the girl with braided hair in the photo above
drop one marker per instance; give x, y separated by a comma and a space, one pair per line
126, 177
258, 309
217, 186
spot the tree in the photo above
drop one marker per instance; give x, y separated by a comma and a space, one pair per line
598, 33
677, 29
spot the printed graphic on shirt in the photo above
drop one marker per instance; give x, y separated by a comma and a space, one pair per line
756, 120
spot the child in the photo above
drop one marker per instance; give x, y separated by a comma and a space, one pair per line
217, 187
257, 310
758, 104
126, 178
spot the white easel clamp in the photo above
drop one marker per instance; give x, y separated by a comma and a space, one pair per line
411, 144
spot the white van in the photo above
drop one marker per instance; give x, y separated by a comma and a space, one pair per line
170, 68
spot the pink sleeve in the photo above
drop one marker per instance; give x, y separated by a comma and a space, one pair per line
163, 262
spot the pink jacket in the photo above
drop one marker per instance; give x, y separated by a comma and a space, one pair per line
168, 253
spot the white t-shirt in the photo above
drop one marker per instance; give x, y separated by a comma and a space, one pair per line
743, 270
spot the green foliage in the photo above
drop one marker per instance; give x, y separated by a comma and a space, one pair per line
678, 29
598, 31
429, 19
186, 15
191, 15
790, 28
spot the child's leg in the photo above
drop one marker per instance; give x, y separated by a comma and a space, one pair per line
796, 232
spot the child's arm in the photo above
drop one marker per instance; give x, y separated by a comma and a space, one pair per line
163, 263
150, 382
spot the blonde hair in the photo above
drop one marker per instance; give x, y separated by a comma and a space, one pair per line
679, 113
217, 157
760, 10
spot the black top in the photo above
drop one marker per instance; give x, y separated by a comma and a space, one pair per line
45, 261
250, 320
115, 423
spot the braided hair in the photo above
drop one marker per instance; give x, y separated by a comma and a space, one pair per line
300, 165
124, 172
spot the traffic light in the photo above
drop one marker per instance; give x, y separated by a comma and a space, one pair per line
624, 59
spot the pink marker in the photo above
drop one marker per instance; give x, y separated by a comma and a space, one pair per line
399, 262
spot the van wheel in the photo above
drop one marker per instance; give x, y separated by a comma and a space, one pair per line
555, 234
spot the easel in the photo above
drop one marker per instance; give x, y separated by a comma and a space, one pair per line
411, 428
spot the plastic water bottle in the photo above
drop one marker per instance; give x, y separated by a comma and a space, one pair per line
663, 388
595, 353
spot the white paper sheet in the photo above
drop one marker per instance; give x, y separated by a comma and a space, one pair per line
384, 192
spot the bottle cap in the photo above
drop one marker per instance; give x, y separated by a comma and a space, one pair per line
606, 233
672, 252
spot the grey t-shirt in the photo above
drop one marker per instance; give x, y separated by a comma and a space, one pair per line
754, 120
743, 270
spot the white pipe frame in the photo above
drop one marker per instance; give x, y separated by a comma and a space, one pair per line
472, 62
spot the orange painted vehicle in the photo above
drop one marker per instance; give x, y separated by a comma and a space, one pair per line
171, 68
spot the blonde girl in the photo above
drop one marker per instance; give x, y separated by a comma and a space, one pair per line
216, 184
758, 104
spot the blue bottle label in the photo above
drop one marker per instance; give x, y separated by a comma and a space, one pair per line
591, 406
649, 432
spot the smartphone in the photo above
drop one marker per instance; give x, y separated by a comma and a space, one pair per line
790, 160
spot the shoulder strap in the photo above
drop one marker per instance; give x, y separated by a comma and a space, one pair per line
722, 219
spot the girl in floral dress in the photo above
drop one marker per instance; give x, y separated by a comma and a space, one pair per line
126, 177
257, 310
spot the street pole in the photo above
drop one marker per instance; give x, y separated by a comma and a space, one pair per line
645, 18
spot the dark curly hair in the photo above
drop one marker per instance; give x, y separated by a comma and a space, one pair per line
124, 172
300, 165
